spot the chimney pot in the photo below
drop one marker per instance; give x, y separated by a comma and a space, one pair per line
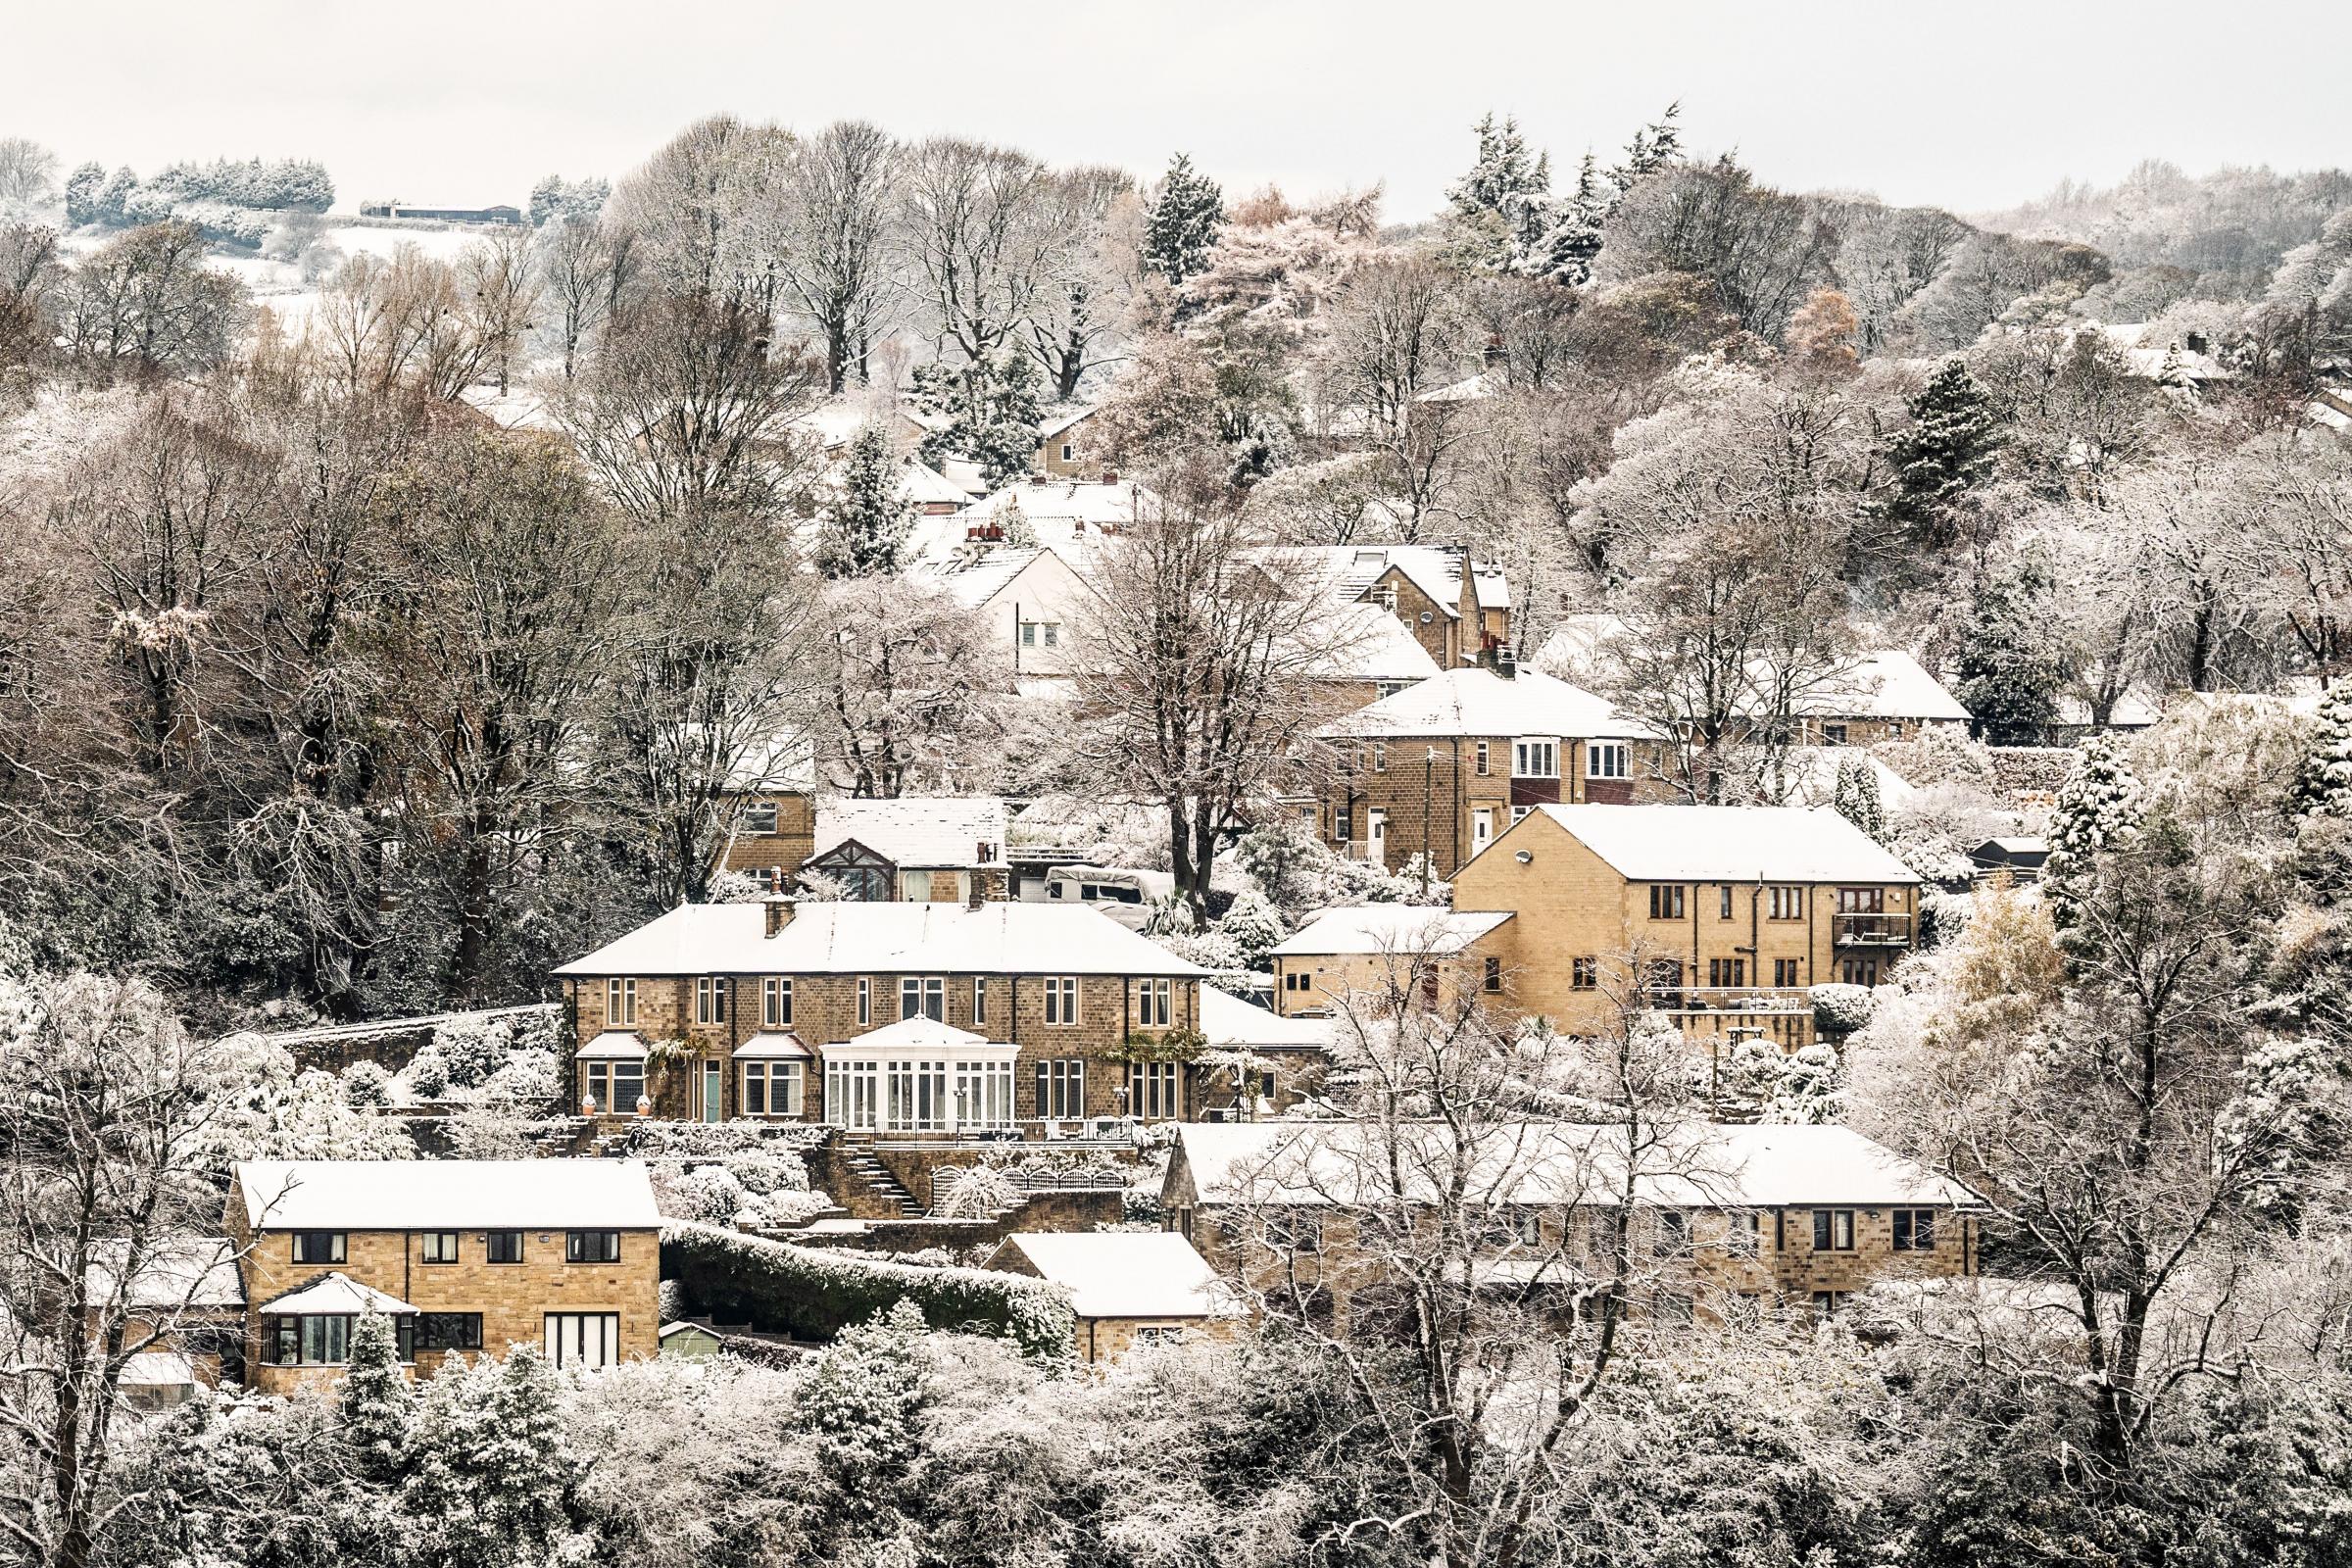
1111, 476
779, 912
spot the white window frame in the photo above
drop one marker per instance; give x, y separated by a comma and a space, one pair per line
709, 999
979, 1000
865, 1000
783, 1080
775, 1002
1605, 759
1153, 1002
583, 1339
1536, 757
924, 992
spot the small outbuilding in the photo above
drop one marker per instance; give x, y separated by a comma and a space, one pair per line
1128, 1288
2021, 857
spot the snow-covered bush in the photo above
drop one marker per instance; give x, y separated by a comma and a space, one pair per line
1841, 1009
779, 1288
1253, 926
493, 1130
735, 887
972, 1192
366, 1086
264, 1106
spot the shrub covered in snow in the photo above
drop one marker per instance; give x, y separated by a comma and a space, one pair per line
782, 1288
366, 1086
1841, 1009
972, 1192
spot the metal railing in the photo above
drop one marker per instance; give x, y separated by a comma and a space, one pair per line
1873, 930
1730, 998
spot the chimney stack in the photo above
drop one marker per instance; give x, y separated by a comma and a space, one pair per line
979, 892
1111, 476
779, 912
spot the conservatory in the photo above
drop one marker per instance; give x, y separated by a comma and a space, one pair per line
920, 1075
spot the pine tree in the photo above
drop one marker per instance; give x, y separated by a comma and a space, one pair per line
1946, 453
1019, 530
111, 205
2011, 668
866, 533
1653, 147
992, 413
2098, 807
865, 1403
82, 194
1564, 252
1181, 228
1857, 799
490, 1470
2324, 788
376, 1402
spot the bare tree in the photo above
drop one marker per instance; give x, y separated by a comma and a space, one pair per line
843, 190
978, 227
1400, 334
27, 175
411, 322
1080, 316
905, 708
104, 1109
706, 215
1481, 1243
146, 303
575, 261
1203, 670
498, 278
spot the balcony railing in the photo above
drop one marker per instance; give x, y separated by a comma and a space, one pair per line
1871, 930
1679, 1000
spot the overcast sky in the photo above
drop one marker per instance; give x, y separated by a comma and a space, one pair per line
1970, 106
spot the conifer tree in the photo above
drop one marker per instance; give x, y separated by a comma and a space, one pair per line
2098, 807
866, 533
1857, 799
1946, 453
1564, 252
1181, 227
2324, 787
2011, 668
992, 413
865, 1402
490, 1470
82, 194
1653, 147
376, 1402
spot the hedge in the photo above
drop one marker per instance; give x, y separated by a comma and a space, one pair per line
777, 1288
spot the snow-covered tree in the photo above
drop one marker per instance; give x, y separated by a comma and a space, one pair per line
865, 1400
991, 408
2324, 787
2098, 809
376, 1402
1180, 230
489, 1465
1944, 456
870, 516
2012, 666
1857, 797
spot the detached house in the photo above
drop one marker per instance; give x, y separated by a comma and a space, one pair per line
1126, 1288
904, 1019
1061, 443
463, 1255
1458, 610
1882, 695
913, 848
1732, 913
1784, 1215
1029, 597
1368, 948
1443, 767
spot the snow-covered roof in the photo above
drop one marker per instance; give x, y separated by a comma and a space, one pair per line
1724, 843
1702, 1165
772, 1045
1347, 572
1009, 937
835, 425
1126, 1274
2132, 711
332, 1293
614, 1045
1228, 1023
1064, 502
1886, 684
920, 1033
1367, 643
1059, 420
410, 1195
916, 831
175, 1271
926, 486
159, 1369
1470, 389
980, 578
1812, 776
1472, 702
1364, 928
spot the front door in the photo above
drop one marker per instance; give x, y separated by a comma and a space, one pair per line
1376, 837
714, 1090
1482, 828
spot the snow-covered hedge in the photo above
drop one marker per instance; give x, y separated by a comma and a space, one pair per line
1841, 1009
781, 1288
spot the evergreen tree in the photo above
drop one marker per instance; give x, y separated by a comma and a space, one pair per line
1857, 799
1019, 530
82, 194
490, 1469
1564, 252
2011, 666
1653, 147
1946, 453
1181, 228
376, 1402
2098, 807
865, 1403
992, 413
113, 202
2324, 788
866, 533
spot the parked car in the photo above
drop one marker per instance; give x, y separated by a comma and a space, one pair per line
1125, 894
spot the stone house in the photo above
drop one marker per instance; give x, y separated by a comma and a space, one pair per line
1457, 608
463, 1256
1061, 444
1796, 1216
913, 848
1444, 767
186, 1295
1882, 695
887, 1018
1732, 913
1378, 947
1294, 1053
1126, 1289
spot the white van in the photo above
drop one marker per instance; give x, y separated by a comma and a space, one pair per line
1126, 895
